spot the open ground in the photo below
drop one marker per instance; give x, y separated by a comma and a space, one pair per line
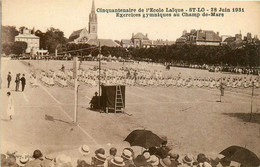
190, 117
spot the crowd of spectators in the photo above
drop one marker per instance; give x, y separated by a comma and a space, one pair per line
162, 156
228, 69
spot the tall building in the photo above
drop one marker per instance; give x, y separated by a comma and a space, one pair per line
200, 37
33, 42
90, 36
92, 24
140, 40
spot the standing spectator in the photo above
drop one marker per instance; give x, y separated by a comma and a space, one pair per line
23, 82
17, 82
10, 106
9, 78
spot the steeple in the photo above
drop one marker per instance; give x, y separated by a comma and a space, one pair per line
93, 7
93, 15
93, 22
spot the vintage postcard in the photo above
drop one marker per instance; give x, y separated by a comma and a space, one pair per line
125, 83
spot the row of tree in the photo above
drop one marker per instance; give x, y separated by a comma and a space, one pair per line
249, 55
188, 54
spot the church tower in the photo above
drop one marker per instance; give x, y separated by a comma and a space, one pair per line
92, 25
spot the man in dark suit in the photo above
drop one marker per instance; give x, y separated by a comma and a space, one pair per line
17, 82
23, 82
9, 78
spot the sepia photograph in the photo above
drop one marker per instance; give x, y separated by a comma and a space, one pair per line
130, 83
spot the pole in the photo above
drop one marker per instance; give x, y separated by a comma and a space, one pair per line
56, 52
76, 100
75, 76
99, 68
252, 101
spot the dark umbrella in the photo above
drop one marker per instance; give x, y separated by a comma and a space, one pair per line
143, 138
241, 155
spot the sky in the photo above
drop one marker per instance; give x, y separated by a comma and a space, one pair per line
71, 15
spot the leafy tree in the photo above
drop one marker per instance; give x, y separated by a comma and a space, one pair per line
8, 34
7, 48
41, 35
53, 38
19, 47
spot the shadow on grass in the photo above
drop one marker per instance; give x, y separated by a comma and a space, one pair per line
51, 118
245, 117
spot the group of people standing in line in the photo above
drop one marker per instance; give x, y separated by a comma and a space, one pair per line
18, 80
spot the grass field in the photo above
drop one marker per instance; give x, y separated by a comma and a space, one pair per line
190, 117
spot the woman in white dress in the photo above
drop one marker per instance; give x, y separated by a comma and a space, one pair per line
10, 106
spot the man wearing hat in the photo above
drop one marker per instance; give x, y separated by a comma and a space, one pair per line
166, 162
23, 159
98, 160
174, 157
112, 154
63, 161
187, 160
117, 162
153, 160
127, 157
100, 150
140, 161
11, 161
84, 150
162, 151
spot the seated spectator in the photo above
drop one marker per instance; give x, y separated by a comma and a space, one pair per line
206, 164
152, 150
3, 160
214, 162
48, 161
100, 150
201, 158
127, 157
154, 161
117, 162
166, 162
62, 161
84, 150
11, 161
187, 160
98, 160
37, 155
131, 150
162, 151
225, 162
140, 161
174, 157
146, 156
112, 154
23, 159
82, 163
